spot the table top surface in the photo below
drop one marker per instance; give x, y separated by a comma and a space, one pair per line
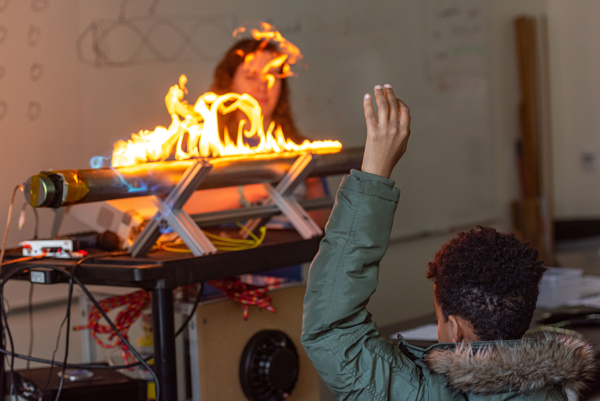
162, 269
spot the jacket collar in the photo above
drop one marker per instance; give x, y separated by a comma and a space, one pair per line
523, 366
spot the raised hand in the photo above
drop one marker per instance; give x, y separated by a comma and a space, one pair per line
387, 135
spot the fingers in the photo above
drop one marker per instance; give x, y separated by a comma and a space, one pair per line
390, 108
392, 101
382, 104
404, 118
369, 113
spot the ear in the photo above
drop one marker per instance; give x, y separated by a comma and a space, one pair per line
456, 329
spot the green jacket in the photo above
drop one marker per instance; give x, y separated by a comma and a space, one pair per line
358, 364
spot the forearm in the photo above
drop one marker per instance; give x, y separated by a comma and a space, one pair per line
343, 275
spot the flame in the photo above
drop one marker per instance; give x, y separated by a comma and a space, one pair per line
290, 54
194, 131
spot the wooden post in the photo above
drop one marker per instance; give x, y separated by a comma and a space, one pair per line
528, 213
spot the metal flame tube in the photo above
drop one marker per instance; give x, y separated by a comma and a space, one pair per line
68, 187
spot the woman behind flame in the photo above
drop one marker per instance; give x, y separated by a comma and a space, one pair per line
241, 74
233, 74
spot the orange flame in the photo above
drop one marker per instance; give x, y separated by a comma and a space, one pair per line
194, 132
290, 54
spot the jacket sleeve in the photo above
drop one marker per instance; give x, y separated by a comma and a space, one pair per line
337, 332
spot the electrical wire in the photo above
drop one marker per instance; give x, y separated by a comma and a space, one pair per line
223, 243
64, 364
62, 324
93, 300
133, 305
12, 345
23, 259
2, 344
193, 312
10, 208
30, 309
64, 367
72, 365
29, 358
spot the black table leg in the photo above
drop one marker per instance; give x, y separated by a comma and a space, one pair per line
164, 342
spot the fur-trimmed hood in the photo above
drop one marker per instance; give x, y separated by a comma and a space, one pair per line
524, 366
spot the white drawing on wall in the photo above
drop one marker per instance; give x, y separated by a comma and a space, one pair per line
39, 5
36, 71
456, 38
3, 34
34, 35
153, 38
3, 109
34, 110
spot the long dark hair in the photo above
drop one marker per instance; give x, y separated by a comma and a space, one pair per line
223, 78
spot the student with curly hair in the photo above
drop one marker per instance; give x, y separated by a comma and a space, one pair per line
485, 291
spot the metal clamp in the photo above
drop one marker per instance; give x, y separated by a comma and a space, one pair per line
170, 214
282, 197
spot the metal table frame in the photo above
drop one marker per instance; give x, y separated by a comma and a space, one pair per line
161, 272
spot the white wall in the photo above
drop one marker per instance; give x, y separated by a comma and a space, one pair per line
575, 86
404, 292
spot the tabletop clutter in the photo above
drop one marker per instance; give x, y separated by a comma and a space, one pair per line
566, 286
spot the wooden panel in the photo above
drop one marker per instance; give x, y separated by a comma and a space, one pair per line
223, 334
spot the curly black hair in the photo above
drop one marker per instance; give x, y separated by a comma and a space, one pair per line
490, 279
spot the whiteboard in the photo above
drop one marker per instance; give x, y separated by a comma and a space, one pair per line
78, 75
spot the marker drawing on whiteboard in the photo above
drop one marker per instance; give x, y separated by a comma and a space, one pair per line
3, 109
34, 110
33, 35
3, 34
36, 71
39, 5
141, 40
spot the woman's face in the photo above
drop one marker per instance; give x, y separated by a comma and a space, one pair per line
250, 77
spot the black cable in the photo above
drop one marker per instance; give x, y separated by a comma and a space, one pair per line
117, 331
52, 362
17, 271
107, 367
2, 347
30, 309
70, 365
193, 312
12, 345
62, 376
142, 361
121, 253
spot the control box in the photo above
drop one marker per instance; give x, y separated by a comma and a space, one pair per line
55, 248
